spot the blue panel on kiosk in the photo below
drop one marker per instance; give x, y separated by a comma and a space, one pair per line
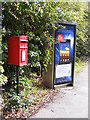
64, 56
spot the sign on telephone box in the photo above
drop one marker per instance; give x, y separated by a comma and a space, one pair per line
62, 67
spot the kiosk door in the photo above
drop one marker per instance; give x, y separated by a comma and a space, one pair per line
64, 55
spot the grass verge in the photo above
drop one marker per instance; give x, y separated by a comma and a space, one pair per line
79, 66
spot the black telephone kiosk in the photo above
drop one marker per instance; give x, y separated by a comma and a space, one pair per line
61, 70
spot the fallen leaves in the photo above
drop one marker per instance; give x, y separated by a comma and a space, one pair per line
40, 97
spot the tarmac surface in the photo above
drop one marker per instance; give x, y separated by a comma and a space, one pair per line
71, 102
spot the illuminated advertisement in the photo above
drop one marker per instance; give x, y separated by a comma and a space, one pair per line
64, 56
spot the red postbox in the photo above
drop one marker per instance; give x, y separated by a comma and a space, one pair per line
18, 50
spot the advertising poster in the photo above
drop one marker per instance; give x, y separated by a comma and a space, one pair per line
64, 49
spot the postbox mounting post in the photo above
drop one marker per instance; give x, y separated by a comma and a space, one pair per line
17, 78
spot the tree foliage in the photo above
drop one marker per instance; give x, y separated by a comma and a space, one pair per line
35, 20
78, 12
3, 78
38, 21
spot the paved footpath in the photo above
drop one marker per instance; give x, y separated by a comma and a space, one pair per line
70, 102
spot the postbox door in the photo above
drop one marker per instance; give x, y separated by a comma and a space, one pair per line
23, 46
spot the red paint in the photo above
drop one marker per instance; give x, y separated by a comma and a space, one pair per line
60, 38
16, 44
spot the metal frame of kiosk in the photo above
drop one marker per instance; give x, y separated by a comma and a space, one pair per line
49, 76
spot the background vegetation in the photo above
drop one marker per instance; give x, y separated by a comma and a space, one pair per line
38, 21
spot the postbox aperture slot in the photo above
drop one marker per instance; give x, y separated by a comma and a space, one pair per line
23, 41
